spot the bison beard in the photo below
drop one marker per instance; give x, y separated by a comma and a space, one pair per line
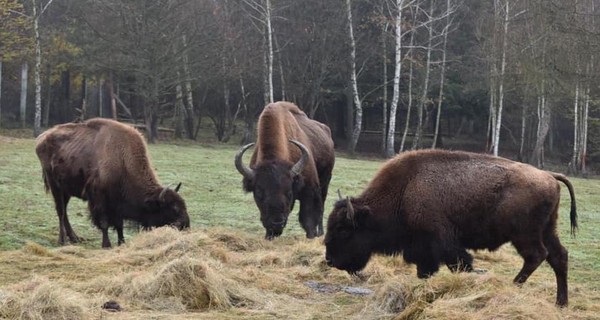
106, 163
292, 160
433, 205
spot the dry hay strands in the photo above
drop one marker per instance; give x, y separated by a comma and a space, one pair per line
186, 284
459, 296
39, 298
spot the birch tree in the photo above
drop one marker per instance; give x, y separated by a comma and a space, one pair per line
445, 31
424, 99
37, 124
357, 126
389, 151
410, 89
261, 12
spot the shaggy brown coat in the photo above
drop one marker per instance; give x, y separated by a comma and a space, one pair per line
431, 205
287, 140
105, 163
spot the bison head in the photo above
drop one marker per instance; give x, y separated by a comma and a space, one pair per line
167, 208
274, 184
349, 238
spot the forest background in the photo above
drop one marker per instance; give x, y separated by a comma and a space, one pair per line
511, 77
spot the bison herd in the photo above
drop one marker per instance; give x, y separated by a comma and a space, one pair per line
428, 206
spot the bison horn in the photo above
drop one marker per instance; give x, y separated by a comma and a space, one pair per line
299, 166
239, 165
339, 194
161, 195
177, 188
349, 210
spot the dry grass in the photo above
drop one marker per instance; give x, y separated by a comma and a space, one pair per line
220, 273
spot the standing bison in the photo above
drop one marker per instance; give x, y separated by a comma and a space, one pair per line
432, 205
106, 163
293, 159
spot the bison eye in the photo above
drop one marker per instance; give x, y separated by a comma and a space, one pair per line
259, 193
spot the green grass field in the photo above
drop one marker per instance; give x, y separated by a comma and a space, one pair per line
212, 189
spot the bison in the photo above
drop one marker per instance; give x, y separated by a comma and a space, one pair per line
106, 163
293, 159
431, 205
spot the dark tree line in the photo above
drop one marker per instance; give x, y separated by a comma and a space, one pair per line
512, 77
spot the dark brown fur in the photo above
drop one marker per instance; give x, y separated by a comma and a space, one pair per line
274, 188
105, 163
432, 205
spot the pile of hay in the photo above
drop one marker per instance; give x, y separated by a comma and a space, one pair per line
223, 273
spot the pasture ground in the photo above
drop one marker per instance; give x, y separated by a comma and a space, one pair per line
222, 268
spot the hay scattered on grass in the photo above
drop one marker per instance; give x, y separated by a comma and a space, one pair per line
225, 274
42, 299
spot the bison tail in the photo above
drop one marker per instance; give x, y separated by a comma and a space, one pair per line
45, 178
562, 178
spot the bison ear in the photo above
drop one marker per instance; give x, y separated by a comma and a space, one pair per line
248, 184
358, 214
297, 184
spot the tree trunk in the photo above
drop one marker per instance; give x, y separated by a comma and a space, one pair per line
584, 132
423, 101
389, 150
442, 76
410, 85
179, 110
544, 116
0, 93
574, 160
269, 53
281, 74
498, 124
37, 123
353, 82
23, 107
189, 101
101, 98
113, 100
384, 104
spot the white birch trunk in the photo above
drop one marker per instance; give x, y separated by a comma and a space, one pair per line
269, 48
357, 126
574, 161
423, 101
384, 105
23, 103
0, 93
498, 124
37, 123
397, 71
189, 99
584, 131
410, 99
442, 76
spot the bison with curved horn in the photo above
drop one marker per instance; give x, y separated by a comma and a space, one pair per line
431, 205
106, 163
293, 159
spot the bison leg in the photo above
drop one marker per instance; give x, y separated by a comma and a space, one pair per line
533, 252
105, 240
558, 259
61, 200
425, 254
311, 214
121, 238
459, 260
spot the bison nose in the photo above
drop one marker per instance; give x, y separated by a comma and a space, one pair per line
280, 223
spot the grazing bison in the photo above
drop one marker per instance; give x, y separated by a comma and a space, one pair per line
432, 205
293, 159
106, 163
